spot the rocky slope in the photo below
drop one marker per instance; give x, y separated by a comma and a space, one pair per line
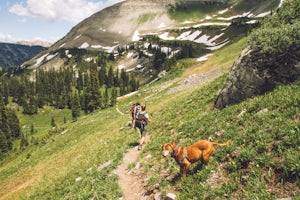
253, 75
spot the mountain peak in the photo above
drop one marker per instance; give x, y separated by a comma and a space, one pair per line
34, 43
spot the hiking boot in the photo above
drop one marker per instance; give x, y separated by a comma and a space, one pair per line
140, 147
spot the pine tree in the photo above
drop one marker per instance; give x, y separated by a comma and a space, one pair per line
3, 144
113, 97
102, 75
105, 98
94, 93
75, 107
24, 142
5, 125
116, 79
110, 77
14, 123
31, 129
111, 56
53, 124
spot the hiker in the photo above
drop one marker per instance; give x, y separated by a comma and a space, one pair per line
141, 124
134, 109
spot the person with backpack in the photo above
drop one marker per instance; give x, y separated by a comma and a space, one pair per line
142, 119
134, 109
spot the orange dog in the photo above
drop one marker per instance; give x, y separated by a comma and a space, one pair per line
185, 156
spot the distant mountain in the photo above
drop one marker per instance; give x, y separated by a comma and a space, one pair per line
143, 34
35, 43
13, 55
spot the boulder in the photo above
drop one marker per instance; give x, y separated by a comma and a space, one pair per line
254, 74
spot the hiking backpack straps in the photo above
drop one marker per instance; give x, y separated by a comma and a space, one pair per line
135, 112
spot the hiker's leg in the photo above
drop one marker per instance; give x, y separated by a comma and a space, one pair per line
143, 134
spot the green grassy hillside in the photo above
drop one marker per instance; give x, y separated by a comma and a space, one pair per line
262, 161
76, 160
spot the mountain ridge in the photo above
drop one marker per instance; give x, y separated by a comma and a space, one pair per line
12, 55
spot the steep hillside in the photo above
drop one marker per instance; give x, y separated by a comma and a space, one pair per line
76, 160
13, 55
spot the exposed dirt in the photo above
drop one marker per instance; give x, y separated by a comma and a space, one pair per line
132, 185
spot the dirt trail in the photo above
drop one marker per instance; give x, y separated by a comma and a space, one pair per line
132, 185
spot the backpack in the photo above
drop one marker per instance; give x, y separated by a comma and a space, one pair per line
135, 110
141, 120
141, 117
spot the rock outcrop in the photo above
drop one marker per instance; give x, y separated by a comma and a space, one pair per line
254, 73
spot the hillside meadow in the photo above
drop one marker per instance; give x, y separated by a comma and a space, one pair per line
76, 160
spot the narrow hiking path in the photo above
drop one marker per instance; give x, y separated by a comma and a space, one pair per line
132, 186
130, 181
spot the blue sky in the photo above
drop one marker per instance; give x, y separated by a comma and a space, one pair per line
46, 20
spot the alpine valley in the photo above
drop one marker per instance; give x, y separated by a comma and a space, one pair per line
218, 70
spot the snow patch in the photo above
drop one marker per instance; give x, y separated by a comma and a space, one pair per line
173, 53
187, 22
263, 14
162, 25
251, 22
77, 37
166, 50
234, 17
193, 36
164, 36
89, 59
184, 35
130, 54
218, 46
120, 67
130, 70
223, 11
84, 45
49, 57
108, 49
102, 29
136, 36
204, 58
40, 59
212, 24
139, 66
208, 17
147, 53
62, 45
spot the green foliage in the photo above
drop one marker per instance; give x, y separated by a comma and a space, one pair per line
193, 10
280, 33
265, 138
276, 40
145, 18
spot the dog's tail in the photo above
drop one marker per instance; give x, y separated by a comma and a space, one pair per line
223, 144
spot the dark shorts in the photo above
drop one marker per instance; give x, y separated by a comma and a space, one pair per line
142, 127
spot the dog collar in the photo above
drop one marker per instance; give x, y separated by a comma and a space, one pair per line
185, 156
175, 150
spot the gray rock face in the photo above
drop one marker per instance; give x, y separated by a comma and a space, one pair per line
254, 74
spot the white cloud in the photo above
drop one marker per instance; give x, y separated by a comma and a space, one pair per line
5, 37
54, 10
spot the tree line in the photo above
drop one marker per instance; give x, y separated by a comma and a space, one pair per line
9, 128
88, 87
